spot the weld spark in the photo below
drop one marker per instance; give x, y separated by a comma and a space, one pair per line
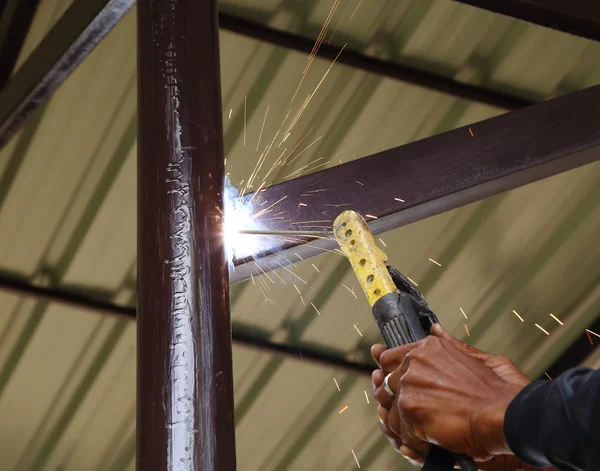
592, 332
267, 209
352, 16
291, 272
412, 281
300, 294
355, 458
517, 314
315, 307
260, 268
352, 291
304, 150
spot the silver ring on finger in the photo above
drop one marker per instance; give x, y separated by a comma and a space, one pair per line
386, 386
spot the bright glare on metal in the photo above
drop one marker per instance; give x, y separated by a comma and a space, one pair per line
238, 217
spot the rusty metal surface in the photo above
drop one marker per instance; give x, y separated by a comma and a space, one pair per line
427, 177
185, 386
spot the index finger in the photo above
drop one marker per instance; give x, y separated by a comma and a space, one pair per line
392, 358
438, 331
376, 351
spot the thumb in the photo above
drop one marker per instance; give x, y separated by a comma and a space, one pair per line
438, 331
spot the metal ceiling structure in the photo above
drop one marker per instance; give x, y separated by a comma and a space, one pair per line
75, 251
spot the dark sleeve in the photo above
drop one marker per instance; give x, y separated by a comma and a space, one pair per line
557, 423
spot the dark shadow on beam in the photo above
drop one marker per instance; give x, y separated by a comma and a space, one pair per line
577, 17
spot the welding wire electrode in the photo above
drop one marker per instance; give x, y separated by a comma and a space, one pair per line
315, 234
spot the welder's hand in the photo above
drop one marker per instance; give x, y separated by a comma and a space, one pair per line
500, 365
446, 396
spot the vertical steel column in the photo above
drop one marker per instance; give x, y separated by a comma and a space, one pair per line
185, 387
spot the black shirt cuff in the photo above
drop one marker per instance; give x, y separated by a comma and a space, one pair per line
522, 423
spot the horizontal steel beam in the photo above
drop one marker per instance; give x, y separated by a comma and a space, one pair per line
84, 24
427, 177
579, 350
371, 64
577, 17
80, 300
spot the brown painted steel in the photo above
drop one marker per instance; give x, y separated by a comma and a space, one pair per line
433, 175
185, 386
577, 17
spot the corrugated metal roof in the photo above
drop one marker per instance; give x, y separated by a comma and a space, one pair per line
67, 219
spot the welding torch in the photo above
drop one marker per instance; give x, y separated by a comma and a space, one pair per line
400, 310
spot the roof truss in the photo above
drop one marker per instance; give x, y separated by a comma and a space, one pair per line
577, 17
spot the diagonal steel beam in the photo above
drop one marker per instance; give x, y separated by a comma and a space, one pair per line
427, 177
577, 17
71, 40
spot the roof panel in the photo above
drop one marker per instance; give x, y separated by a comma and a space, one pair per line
67, 378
